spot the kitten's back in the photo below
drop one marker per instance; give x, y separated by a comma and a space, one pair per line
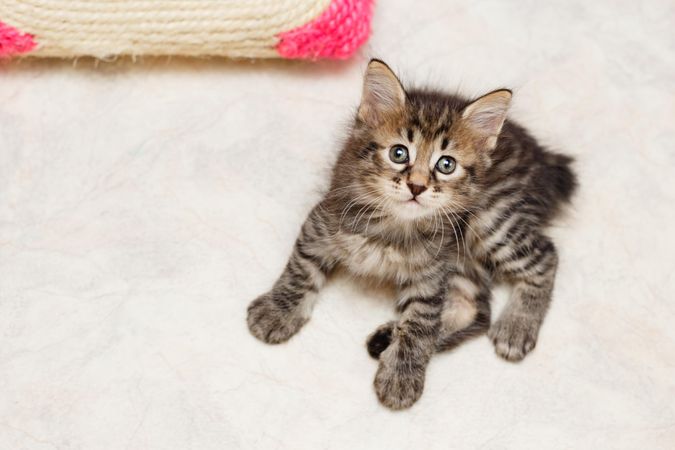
550, 181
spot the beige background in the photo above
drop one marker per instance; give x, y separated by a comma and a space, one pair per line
142, 206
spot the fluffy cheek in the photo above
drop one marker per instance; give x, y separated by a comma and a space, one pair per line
449, 199
395, 189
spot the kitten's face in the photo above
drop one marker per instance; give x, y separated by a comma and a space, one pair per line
424, 153
417, 175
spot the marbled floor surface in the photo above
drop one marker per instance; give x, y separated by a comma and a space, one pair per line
142, 206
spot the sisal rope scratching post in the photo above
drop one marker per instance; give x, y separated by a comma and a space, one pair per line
307, 29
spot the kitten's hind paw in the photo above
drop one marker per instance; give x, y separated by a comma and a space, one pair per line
514, 337
380, 339
270, 322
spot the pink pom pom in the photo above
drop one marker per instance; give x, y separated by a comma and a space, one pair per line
337, 33
13, 42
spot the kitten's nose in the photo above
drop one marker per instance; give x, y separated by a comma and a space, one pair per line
416, 189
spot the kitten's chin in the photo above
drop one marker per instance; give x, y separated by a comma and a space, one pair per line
411, 210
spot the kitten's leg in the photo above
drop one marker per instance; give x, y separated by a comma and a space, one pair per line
466, 311
280, 313
399, 381
532, 269
465, 314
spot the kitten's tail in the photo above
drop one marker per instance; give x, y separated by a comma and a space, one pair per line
560, 182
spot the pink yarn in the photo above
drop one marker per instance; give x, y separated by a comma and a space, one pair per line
337, 33
14, 42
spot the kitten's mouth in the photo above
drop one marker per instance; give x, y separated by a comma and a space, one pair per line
413, 203
411, 209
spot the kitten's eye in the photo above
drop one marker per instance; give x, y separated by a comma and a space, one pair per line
446, 164
398, 154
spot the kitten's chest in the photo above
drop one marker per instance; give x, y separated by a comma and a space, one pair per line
373, 258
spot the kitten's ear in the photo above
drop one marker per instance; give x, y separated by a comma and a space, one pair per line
486, 115
382, 95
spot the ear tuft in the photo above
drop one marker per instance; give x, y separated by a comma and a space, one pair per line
486, 115
382, 94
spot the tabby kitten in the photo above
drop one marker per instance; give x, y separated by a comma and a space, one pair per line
442, 197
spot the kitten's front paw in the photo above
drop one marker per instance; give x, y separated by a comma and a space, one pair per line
380, 339
398, 384
271, 323
514, 337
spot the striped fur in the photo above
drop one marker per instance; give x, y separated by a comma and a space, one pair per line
442, 247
